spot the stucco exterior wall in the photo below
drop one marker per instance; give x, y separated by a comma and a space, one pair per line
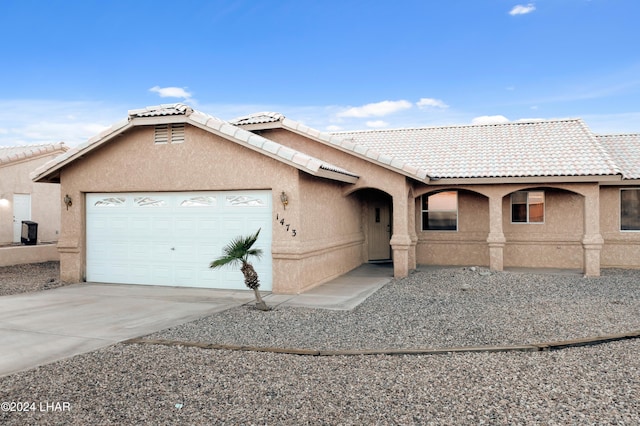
45, 199
621, 248
556, 243
204, 162
328, 234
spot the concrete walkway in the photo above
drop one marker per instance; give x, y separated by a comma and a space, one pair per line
43, 327
343, 293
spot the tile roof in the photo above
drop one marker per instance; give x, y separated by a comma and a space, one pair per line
10, 154
338, 142
258, 118
161, 110
625, 150
518, 149
300, 160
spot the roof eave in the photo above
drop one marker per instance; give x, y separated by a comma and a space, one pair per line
261, 126
342, 177
604, 179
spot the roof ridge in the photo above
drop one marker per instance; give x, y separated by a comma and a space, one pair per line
456, 126
271, 115
610, 135
177, 108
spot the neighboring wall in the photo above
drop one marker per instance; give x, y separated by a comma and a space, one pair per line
45, 199
621, 248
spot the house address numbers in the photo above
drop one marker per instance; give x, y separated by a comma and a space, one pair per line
285, 225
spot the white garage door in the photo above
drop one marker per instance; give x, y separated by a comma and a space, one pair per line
169, 238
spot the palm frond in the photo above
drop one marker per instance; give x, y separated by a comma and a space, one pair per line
238, 251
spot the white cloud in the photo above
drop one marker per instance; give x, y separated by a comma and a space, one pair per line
430, 102
333, 128
377, 124
522, 10
378, 109
27, 122
171, 92
490, 119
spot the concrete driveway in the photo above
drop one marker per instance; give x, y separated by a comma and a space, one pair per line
39, 328
43, 327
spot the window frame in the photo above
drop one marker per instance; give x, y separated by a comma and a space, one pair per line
423, 211
620, 213
528, 208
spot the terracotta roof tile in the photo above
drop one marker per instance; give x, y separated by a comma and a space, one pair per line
258, 118
519, 149
10, 154
625, 150
161, 110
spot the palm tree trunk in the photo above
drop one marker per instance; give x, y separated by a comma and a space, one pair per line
251, 280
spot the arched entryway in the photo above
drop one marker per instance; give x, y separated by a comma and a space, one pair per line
377, 221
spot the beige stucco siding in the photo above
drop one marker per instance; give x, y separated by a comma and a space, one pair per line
556, 243
621, 248
45, 199
328, 237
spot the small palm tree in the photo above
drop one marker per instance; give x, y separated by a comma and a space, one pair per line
238, 252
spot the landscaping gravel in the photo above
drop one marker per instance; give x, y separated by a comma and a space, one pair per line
145, 384
30, 277
440, 308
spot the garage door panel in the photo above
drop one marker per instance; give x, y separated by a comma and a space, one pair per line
170, 238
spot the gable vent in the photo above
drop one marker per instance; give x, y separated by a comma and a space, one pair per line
169, 133
177, 133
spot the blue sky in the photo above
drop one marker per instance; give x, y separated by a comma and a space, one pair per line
73, 68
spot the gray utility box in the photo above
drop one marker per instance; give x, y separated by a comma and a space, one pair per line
29, 233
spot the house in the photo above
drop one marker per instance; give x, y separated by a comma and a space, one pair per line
23, 200
157, 196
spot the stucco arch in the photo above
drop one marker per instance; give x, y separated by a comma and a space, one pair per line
569, 238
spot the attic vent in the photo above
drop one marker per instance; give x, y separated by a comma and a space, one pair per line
177, 133
162, 134
169, 133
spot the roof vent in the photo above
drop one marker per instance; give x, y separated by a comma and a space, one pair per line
169, 133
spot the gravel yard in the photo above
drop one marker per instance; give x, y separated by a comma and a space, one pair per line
144, 384
31, 277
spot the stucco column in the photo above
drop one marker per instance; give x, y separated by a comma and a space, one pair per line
413, 236
70, 245
592, 241
400, 240
496, 239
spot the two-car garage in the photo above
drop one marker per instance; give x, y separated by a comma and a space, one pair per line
169, 238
